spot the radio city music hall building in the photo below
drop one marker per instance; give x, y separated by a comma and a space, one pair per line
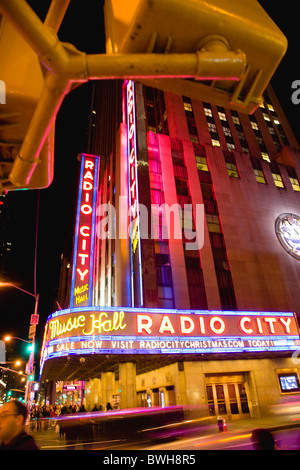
206, 316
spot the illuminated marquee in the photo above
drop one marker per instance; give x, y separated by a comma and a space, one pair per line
83, 259
109, 330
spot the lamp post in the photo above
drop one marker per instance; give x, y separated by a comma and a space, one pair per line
30, 364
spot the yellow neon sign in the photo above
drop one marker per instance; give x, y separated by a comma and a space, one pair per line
97, 325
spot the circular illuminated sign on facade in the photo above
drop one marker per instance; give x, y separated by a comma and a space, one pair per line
287, 227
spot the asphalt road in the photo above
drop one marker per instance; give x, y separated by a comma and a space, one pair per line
286, 439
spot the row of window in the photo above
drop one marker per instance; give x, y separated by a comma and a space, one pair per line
222, 269
157, 122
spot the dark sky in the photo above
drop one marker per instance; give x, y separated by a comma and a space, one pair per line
83, 27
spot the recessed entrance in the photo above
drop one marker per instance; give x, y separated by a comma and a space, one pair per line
227, 395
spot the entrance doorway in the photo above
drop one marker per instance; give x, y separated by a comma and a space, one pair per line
227, 397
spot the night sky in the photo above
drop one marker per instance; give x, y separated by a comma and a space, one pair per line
83, 27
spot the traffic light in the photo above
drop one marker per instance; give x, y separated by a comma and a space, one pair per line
215, 26
22, 82
30, 378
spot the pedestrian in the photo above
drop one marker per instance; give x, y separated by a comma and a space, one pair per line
108, 406
262, 439
82, 408
13, 416
220, 423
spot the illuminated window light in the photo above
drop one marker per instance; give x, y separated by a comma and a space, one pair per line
295, 184
208, 112
232, 170
265, 156
215, 143
222, 116
259, 175
278, 180
188, 107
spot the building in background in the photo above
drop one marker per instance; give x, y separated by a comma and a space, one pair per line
235, 178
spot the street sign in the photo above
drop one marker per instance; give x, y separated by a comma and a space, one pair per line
34, 319
31, 334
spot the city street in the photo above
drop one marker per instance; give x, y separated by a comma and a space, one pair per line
286, 433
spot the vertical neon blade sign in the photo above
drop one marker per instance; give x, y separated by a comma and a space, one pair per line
135, 244
83, 255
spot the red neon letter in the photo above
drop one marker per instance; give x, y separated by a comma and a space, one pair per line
271, 320
88, 175
259, 325
83, 230
89, 164
219, 330
189, 328
286, 323
244, 320
144, 322
87, 186
166, 325
82, 274
86, 209
83, 256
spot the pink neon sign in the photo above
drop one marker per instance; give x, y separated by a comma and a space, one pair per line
132, 164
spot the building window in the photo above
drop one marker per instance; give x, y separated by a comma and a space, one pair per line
265, 156
276, 174
293, 178
156, 114
222, 116
212, 127
187, 106
201, 163
213, 223
231, 164
259, 175
254, 126
208, 112
278, 180
258, 171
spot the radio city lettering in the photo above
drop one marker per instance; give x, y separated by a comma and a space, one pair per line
215, 325
96, 330
84, 232
137, 324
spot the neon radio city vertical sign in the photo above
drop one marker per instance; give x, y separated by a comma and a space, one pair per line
132, 170
133, 191
83, 255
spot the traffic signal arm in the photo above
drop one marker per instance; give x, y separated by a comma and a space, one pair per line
63, 66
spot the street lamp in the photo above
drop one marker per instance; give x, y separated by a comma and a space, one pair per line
30, 364
8, 338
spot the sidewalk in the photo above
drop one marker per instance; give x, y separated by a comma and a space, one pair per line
50, 440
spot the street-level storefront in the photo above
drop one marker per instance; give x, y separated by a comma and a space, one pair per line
231, 363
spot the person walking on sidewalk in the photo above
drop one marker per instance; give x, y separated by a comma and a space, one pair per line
13, 416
